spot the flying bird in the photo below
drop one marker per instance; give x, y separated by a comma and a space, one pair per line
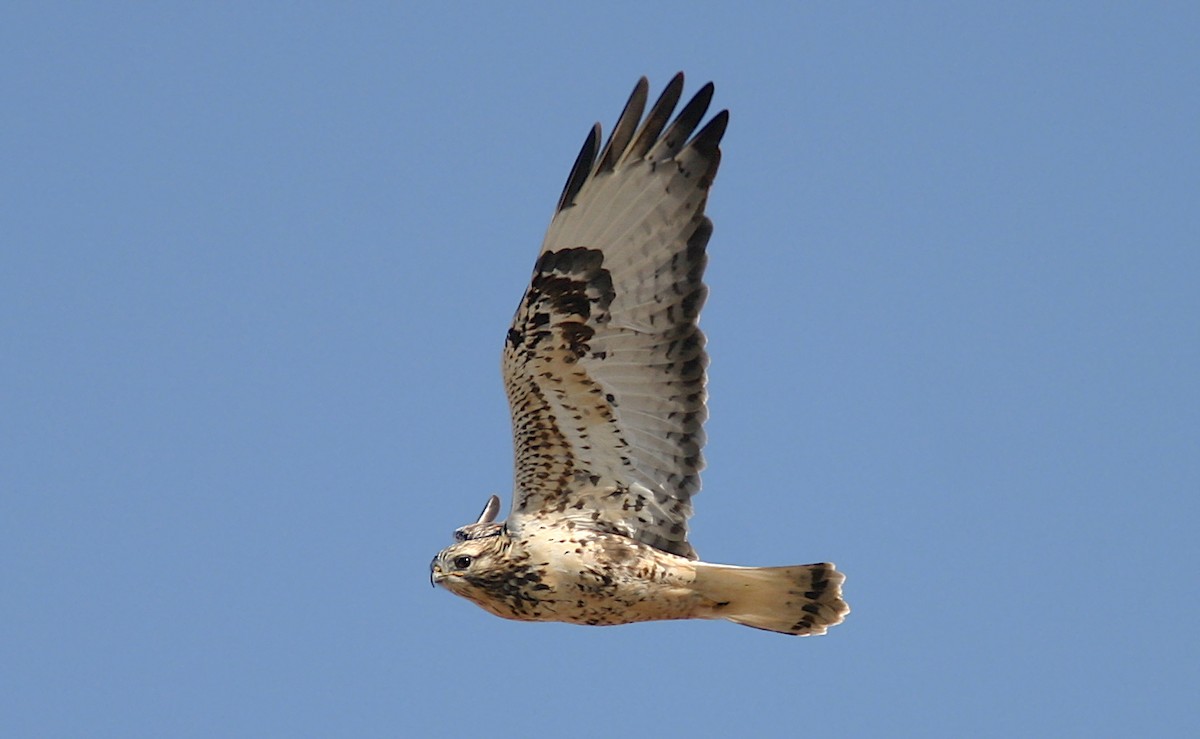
604, 367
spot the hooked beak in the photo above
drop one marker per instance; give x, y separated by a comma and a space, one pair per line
435, 573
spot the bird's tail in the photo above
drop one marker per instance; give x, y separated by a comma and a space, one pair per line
799, 600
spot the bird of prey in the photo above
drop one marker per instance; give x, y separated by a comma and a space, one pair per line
604, 367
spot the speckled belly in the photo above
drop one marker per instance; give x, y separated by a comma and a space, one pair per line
599, 579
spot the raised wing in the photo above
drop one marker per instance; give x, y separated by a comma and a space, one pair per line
604, 364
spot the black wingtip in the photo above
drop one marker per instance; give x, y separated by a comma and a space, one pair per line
625, 127
629, 141
681, 128
581, 169
656, 119
709, 137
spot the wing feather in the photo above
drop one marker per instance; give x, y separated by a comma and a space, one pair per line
656, 120
625, 128
672, 141
604, 364
581, 169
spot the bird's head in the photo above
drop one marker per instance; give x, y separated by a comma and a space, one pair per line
478, 547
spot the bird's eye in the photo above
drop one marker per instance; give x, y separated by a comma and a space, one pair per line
462, 562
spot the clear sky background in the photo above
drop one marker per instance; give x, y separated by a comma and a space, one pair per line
257, 265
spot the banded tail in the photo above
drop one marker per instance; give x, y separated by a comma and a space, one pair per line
801, 600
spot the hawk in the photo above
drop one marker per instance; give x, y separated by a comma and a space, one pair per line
604, 367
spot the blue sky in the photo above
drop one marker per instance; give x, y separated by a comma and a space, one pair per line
258, 260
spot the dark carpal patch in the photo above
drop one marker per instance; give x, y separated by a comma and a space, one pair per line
570, 293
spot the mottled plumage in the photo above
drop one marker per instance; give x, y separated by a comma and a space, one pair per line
604, 367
